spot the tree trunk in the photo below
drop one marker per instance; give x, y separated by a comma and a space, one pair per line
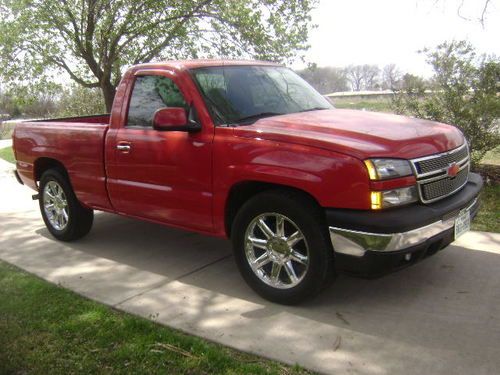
108, 92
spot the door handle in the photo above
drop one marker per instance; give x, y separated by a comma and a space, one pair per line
123, 147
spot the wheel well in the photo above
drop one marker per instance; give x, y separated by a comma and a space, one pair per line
44, 164
242, 192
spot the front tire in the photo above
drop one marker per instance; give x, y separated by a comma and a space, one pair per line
282, 247
64, 216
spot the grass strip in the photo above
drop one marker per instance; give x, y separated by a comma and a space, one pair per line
7, 154
488, 217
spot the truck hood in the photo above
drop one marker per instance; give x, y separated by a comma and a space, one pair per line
358, 133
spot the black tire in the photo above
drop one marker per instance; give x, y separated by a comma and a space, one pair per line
79, 218
308, 218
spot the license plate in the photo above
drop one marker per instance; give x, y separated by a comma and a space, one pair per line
462, 223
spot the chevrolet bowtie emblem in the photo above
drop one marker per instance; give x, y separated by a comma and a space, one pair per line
453, 169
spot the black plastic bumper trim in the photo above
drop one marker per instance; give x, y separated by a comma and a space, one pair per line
18, 178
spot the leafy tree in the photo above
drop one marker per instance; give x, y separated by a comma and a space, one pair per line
464, 92
77, 100
52, 100
413, 84
325, 79
93, 40
37, 100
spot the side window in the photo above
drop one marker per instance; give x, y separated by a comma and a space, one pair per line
151, 93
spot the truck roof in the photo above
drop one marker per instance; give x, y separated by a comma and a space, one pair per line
200, 63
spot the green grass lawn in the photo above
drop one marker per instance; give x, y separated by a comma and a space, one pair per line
7, 153
45, 329
488, 217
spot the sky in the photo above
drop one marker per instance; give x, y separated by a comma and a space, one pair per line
392, 31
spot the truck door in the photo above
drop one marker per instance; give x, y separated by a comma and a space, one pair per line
165, 176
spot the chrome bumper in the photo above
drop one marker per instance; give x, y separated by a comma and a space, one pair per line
357, 243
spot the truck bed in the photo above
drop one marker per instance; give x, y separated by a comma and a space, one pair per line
75, 142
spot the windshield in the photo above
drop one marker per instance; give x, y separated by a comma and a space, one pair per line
243, 94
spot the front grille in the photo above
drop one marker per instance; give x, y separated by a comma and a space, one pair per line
440, 162
433, 180
445, 186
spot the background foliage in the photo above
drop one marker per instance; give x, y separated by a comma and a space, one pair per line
464, 92
92, 41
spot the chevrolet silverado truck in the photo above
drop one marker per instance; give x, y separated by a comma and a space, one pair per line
249, 151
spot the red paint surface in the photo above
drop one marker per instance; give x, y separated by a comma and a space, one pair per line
166, 118
359, 133
184, 179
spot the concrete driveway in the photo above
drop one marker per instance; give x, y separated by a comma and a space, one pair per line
441, 316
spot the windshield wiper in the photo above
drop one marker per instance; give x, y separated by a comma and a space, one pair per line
257, 116
314, 109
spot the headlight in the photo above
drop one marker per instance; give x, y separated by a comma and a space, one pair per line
382, 169
393, 197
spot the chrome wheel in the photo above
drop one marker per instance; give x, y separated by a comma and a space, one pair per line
55, 205
276, 250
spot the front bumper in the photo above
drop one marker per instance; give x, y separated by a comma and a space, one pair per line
371, 243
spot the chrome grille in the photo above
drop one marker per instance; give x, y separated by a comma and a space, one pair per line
440, 162
433, 179
443, 187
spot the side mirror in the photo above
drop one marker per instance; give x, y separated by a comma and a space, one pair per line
172, 119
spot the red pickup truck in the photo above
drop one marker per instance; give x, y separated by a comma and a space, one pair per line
249, 151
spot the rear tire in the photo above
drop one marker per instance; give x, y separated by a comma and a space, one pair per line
282, 247
65, 218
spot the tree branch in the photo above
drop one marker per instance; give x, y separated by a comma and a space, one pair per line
72, 19
62, 64
183, 19
483, 14
85, 52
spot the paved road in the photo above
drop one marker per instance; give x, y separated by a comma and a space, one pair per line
441, 316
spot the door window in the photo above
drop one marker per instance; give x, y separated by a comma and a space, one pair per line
151, 93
